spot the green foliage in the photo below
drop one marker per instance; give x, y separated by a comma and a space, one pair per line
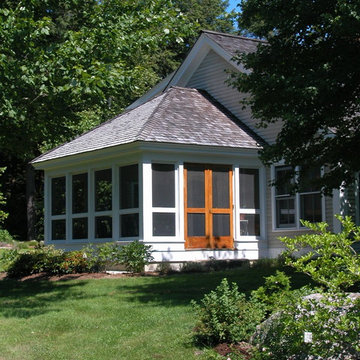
5, 237
329, 258
45, 259
7, 256
3, 214
334, 322
135, 256
275, 292
49, 81
224, 315
307, 76
103, 255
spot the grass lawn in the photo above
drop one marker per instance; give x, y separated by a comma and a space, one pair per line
124, 318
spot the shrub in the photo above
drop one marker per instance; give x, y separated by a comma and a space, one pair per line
330, 258
333, 321
7, 256
135, 256
224, 315
45, 259
74, 262
274, 292
5, 237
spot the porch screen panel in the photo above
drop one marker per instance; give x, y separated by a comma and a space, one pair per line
196, 224
129, 225
195, 187
163, 199
58, 196
103, 190
58, 230
249, 202
103, 227
220, 188
249, 224
163, 224
80, 193
221, 225
129, 187
249, 188
163, 185
79, 228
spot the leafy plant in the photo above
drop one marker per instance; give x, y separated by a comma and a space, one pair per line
224, 315
274, 292
329, 258
5, 237
3, 214
135, 256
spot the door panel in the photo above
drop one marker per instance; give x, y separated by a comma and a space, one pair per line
208, 206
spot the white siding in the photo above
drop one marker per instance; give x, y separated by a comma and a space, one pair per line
211, 76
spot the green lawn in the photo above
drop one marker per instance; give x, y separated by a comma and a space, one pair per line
123, 318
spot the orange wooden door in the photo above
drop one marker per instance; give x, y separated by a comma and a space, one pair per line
208, 206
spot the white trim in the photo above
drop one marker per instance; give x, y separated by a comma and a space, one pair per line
115, 203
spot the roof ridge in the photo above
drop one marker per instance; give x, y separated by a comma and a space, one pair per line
227, 112
165, 95
232, 35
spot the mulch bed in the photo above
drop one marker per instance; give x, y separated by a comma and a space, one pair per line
82, 276
4, 245
242, 348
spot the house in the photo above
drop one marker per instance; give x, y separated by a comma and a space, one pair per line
179, 170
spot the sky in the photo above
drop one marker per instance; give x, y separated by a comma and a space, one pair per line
232, 5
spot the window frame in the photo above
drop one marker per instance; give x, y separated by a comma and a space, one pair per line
168, 210
250, 211
91, 214
296, 196
128, 211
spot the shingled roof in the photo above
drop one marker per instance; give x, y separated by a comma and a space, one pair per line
233, 43
179, 116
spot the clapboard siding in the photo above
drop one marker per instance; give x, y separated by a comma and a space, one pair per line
212, 76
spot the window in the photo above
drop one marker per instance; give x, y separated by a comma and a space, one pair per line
58, 208
310, 197
103, 204
129, 201
285, 202
79, 201
249, 202
163, 199
306, 204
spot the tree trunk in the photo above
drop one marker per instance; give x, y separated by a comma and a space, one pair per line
30, 201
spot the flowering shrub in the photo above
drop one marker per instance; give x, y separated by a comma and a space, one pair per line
332, 320
74, 262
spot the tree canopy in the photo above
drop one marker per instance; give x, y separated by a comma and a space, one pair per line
68, 65
65, 63
307, 75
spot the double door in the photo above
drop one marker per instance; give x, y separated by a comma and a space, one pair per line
208, 206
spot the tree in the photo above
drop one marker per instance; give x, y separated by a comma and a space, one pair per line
3, 214
68, 65
307, 75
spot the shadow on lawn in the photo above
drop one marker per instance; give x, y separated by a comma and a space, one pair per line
179, 289
32, 298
